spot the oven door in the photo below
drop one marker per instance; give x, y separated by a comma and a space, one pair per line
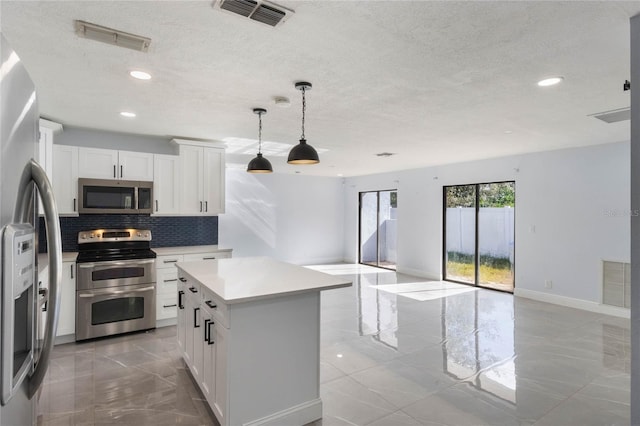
93, 275
104, 312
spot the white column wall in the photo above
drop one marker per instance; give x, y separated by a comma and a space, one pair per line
635, 220
293, 218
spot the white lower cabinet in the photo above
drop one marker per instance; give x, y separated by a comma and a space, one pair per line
167, 280
67, 316
166, 286
181, 327
203, 341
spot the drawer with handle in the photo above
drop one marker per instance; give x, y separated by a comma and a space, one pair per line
166, 306
215, 306
168, 261
166, 281
207, 256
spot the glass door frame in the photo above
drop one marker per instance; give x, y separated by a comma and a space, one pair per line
360, 195
476, 255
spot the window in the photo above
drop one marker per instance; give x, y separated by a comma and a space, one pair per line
479, 231
378, 228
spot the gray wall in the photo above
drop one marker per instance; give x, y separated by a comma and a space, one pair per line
635, 221
111, 140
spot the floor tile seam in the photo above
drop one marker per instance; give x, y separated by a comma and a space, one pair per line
131, 410
429, 394
136, 367
558, 404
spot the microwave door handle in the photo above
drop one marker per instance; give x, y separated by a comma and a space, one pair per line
33, 172
135, 198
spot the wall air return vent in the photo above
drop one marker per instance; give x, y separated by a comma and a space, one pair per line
111, 36
614, 115
258, 10
616, 284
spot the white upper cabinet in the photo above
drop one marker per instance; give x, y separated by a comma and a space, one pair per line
65, 179
202, 183
135, 165
191, 162
99, 163
166, 184
44, 153
214, 180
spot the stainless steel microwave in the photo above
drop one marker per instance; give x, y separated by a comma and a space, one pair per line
102, 196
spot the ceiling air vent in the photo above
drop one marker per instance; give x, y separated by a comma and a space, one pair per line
111, 36
257, 10
614, 115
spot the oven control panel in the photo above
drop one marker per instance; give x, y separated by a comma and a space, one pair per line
107, 235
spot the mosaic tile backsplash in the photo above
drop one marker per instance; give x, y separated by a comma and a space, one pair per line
168, 231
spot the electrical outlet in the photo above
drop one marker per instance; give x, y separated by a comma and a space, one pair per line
548, 284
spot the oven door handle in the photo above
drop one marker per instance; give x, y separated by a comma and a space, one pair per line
111, 263
110, 292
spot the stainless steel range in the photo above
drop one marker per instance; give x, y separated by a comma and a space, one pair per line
116, 283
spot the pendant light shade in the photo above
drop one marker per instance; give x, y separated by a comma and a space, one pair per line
303, 153
259, 164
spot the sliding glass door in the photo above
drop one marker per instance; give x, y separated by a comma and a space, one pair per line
378, 228
479, 234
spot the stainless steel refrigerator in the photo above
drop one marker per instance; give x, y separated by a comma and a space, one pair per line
24, 354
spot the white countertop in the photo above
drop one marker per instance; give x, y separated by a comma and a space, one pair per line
163, 251
246, 279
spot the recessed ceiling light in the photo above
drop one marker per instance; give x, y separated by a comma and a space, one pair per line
550, 81
508, 132
340, 175
127, 114
140, 75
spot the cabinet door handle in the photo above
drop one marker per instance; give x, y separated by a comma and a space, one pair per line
74, 204
170, 261
120, 171
210, 304
206, 330
180, 294
209, 340
206, 206
156, 206
193, 289
200, 206
114, 171
184, 280
169, 306
71, 267
209, 258
170, 281
195, 318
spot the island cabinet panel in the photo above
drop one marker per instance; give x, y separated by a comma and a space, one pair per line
252, 342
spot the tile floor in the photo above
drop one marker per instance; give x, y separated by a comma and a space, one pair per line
396, 350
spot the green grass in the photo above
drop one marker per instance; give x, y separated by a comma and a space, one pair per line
492, 269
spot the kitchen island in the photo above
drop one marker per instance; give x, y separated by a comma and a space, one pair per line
249, 331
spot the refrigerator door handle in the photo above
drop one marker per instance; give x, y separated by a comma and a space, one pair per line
34, 173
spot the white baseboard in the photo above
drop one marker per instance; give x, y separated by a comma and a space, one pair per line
67, 338
166, 322
418, 273
570, 302
301, 414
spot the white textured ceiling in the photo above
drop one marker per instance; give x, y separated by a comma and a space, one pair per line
434, 82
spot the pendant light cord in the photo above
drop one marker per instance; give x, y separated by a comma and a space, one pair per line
304, 108
260, 133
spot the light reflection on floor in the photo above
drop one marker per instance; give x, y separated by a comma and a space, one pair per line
397, 350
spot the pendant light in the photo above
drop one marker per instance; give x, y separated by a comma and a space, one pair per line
259, 164
303, 153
